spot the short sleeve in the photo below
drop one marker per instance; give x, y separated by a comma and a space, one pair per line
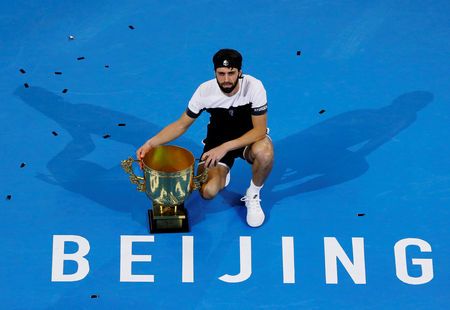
195, 107
259, 99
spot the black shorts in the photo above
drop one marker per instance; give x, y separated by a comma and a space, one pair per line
228, 159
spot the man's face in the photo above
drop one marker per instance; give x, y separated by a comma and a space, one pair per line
227, 78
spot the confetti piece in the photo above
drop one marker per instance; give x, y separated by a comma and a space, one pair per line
131, 27
26, 85
22, 165
71, 37
299, 53
64, 90
321, 111
106, 136
94, 296
8, 197
106, 66
22, 71
54, 133
361, 214
81, 58
58, 72
121, 124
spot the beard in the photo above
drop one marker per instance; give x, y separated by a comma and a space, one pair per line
228, 89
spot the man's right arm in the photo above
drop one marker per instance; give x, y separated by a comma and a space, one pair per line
169, 133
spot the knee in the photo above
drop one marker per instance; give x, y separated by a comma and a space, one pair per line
209, 191
264, 156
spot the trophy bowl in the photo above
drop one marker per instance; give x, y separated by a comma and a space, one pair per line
168, 180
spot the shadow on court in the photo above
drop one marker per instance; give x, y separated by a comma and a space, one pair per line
334, 151
328, 153
108, 187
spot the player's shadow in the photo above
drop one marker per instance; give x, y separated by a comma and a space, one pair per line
335, 150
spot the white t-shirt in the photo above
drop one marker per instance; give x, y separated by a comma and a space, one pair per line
230, 117
209, 96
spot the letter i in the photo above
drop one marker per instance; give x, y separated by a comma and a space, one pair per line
288, 259
188, 259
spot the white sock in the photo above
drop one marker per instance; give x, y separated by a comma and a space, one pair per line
253, 189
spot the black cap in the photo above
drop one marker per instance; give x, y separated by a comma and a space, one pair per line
228, 58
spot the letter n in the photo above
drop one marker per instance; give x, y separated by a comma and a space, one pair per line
334, 252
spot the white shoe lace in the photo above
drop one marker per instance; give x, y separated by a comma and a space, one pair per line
251, 202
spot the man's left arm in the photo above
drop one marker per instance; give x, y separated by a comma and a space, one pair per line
257, 133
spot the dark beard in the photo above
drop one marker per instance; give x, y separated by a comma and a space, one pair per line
228, 90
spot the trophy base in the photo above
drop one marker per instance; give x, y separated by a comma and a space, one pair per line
168, 219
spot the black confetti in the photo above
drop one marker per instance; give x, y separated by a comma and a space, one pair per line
26, 85
8, 197
81, 58
361, 214
131, 27
64, 90
94, 296
22, 165
121, 124
299, 53
54, 133
22, 71
106, 66
58, 72
106, 136
321, 111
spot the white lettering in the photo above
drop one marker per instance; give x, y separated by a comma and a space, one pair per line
127, 258
59, 257
245, 248
334, 251
288, 259
401, 268
71, 267
188, 259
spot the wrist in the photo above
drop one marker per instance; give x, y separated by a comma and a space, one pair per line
151, 143
227, 146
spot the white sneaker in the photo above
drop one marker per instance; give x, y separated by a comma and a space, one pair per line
227, 179
255, 215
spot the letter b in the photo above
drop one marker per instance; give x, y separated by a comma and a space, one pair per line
59, 257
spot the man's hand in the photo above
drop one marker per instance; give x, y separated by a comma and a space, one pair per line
142, 151
213, 156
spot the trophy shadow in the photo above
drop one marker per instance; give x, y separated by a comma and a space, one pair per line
328, 153
71, 170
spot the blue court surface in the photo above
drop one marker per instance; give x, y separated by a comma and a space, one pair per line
357, 205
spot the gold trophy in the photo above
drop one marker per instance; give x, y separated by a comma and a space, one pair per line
168, 180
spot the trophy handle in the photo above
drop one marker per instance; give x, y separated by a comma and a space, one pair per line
200, 179
127, 165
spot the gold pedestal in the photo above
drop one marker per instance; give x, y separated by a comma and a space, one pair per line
168, 219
